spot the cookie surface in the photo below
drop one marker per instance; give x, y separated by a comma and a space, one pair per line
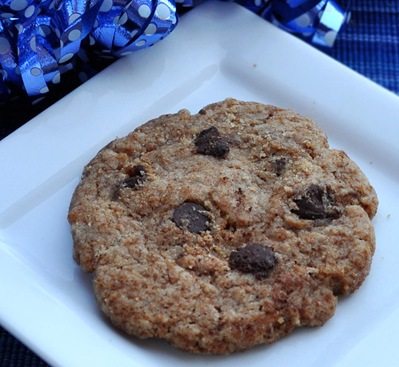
222, 230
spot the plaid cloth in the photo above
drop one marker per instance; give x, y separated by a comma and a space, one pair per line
370, 42
369, 45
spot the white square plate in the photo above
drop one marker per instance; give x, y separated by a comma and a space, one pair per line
218, 50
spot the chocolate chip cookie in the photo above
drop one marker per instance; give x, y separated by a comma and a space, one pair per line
222, 230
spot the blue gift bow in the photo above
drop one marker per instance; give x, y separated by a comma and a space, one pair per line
39, 39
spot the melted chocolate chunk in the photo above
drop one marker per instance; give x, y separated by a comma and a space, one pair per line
253, 258
136, 178
279, 165
210, 142
316, 203
191, 216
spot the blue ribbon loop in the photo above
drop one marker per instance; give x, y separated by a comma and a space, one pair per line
41, 39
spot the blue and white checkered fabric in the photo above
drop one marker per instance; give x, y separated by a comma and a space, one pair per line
370, 42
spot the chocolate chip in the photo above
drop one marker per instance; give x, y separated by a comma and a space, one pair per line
191, 216
210, 142
316, 203
137, 176
253, 258
279, 165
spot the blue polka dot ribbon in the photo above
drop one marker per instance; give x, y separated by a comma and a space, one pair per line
42, 39
316, 21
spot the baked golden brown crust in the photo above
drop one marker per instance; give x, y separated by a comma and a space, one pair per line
159, 213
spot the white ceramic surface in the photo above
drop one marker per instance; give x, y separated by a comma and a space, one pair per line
218, 50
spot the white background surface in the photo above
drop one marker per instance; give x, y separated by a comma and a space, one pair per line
218, 50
